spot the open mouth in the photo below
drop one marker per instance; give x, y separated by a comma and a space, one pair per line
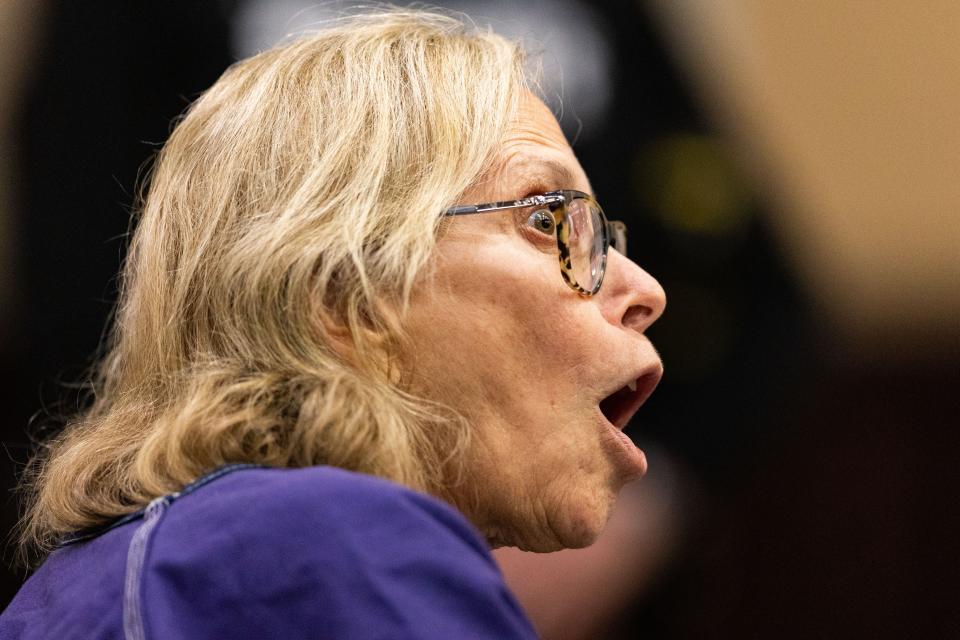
620, 405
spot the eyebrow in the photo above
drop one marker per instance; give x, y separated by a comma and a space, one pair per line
561, 170
538, 174
557, 168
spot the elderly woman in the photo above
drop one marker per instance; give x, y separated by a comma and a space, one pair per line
373, 323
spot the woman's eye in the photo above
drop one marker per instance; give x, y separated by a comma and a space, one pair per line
542, 221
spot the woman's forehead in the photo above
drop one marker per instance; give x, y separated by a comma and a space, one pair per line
535, 156
535, 123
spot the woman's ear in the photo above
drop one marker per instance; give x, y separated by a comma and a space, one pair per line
335, 334
362, 338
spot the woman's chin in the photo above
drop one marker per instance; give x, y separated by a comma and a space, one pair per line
564, 530
576, 526
585, 531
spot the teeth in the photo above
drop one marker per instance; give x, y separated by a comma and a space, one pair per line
632, 385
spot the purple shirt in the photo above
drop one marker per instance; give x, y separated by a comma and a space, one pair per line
274, 553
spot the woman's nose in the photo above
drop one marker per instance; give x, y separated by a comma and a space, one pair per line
631, 297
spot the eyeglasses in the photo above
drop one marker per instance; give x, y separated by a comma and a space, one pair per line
583, 232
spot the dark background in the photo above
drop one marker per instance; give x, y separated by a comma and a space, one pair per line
820, 491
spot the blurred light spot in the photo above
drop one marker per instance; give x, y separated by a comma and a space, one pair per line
689, 183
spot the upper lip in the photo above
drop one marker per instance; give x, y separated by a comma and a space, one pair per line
621, 408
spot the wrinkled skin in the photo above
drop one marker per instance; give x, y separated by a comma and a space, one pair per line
504, 341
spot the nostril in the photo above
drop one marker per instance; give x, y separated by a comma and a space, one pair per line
636, 317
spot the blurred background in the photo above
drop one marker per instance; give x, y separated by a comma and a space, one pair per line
790, 172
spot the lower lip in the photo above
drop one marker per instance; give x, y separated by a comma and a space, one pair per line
630, 459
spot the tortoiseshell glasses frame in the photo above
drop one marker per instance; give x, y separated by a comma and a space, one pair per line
584, 235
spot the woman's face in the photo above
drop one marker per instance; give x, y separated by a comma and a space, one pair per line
502, 339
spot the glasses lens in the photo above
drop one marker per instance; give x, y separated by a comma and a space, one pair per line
587, 242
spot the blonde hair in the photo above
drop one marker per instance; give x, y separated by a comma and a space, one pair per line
288, 218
